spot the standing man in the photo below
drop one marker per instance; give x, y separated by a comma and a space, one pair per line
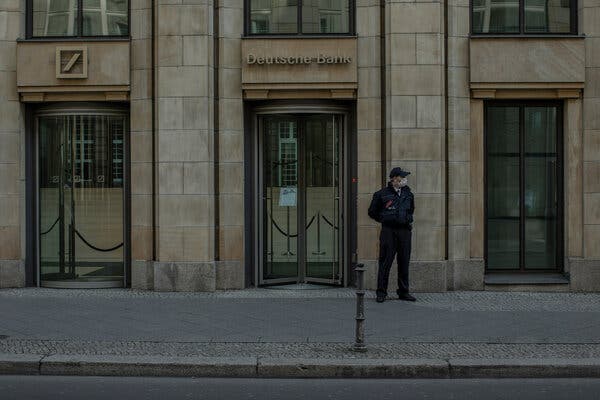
393, 207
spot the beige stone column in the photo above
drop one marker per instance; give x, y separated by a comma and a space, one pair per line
141, 145
368, 132
415, 123
184, 142
586, 274
12, 188
463, 272
573, 176
230, 266
476, 242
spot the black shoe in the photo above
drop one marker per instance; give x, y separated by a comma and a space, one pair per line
406, 297
380, 299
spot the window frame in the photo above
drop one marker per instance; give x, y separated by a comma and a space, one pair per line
299, 33
79, 36
573, 20
560, 223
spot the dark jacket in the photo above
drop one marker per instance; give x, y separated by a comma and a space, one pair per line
392, 210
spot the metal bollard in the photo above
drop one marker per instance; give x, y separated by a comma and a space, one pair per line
359, 343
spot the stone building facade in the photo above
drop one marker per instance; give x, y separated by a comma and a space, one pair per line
197, 145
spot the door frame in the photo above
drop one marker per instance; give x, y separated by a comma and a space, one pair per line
560, 235
33, 228
257, 242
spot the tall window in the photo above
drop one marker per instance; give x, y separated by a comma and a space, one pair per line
299, 16
63, 18
524, 16
523, 186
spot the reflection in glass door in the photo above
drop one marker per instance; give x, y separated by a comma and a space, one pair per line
81, 202
301, 186
524, 188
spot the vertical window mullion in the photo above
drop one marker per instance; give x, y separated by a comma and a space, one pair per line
521, 16
299, 17
247, 8
29, 19
521, 187
574, 17
80, 18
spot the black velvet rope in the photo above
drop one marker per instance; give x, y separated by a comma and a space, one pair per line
94, 247
329, 222
52, 227
285, 233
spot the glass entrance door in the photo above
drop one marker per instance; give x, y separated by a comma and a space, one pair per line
301, 198
81, 178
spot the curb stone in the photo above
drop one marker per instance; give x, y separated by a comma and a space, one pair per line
349, 368
101, 365
525, 368
257, 367
20, 364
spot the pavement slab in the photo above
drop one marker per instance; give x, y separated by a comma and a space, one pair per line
293, 333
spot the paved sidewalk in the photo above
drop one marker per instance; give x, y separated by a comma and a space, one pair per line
271, 332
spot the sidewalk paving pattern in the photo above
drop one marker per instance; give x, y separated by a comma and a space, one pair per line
260, 327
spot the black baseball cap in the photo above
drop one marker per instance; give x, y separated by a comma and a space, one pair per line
397, 171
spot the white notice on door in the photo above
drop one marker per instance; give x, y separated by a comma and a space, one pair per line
287, 196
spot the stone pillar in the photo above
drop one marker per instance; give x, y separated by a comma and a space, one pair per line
12, 138
573, 187
142, 273
585, 275
230, 266
477, 202
184, 142
463, 272
415, 124
368, 132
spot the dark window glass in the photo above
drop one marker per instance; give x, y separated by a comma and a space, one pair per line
547, 16
55, 18
60, 18
503, 200
540, 186
274, 16
540, 16
325, 16
495, 16
522, 187
316, 16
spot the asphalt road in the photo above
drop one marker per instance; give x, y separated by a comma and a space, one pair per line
95, 388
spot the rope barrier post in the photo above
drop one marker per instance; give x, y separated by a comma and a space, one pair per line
288, 252
359, 342
318, 252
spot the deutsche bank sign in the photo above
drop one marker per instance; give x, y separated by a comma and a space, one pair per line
291, 60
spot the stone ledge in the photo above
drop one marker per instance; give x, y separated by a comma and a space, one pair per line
585, 275
184, 277
466, 274
424, 276
12, 274
525, 279
230, 275
142, 275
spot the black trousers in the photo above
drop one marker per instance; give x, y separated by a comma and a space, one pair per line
393, 242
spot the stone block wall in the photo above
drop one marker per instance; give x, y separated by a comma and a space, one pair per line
141, 143
230, 264
199, 237
12, 170
464, 273
184, 143
415, 127
585, 274
368, 106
